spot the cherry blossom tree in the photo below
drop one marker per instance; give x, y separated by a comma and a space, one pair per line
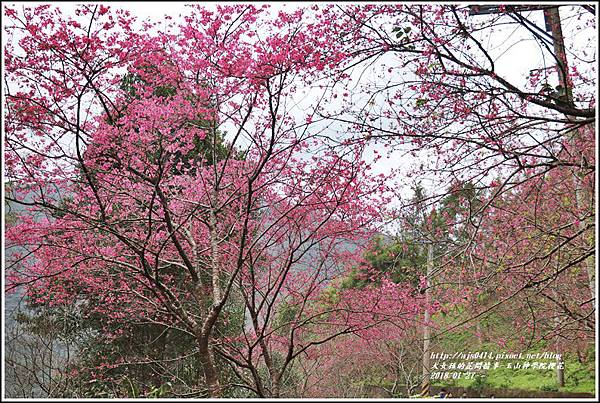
129, 221
440, 92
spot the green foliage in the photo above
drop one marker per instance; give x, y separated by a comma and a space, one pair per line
151, 343
403, 261
60, 322
128, 84
421, 102
133, 389
578, 378
130, 81
352, 280
10, 217
285, 314
479, 382
401, 31
62, 207
209, 148
161, 391
402, 35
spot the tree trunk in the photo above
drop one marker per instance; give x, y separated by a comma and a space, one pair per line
560, 372
553, 19
425, 384
479, 333
211, 376
275, 390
